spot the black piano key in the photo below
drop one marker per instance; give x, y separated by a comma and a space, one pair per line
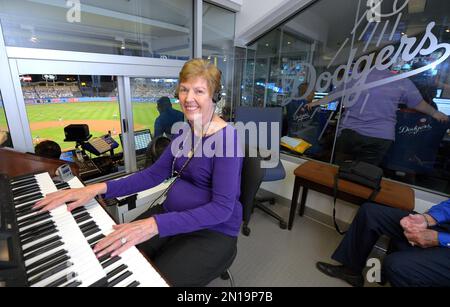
20, 196
119, 279
73, 284
77, 216
35, 228
22, 177
48, 266
50, 273
60, 281
43, 250
30, 216
26, 209
96, 239
28, 199
34, 220
46, 259
83, 219
77, 210
17, 183
110, 261
134, 284
41, 244
49, 231
39, 232
103, 258
25, 190
87, 226
116, 271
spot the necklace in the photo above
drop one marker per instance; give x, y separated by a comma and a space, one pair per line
193, 148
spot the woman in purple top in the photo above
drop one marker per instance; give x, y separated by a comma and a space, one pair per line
194, 233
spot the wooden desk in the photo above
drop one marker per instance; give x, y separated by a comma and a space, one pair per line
319, 177
14, 163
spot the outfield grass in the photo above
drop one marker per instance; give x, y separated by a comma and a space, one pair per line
144, 115
3, 123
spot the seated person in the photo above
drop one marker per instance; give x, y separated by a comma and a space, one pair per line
167, 117
192, 234
421, 242
48, 149
5, 139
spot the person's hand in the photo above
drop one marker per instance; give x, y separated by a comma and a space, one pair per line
76, 197
439, 116
126, 236
309, 106
414, 223
425, 238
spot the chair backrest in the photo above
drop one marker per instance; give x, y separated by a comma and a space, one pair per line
417, 141
251, 178
258, 115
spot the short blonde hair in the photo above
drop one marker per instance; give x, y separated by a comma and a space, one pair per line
201, 68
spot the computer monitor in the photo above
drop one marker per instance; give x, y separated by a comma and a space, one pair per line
67, 156
443, 105
141, 140
331, 106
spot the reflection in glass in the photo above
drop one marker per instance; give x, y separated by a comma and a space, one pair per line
147, 28
377, 91
155, 110
218, 42
53, 102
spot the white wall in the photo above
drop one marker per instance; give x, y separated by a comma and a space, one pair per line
324, 203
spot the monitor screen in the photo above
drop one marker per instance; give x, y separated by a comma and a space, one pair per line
141, 140
443, 105
331, 106
67, 156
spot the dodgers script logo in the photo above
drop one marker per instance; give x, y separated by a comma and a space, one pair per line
408, 48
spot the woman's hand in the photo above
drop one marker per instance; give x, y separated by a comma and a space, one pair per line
126, 236
76, 197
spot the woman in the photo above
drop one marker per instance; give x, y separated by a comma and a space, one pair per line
192, 235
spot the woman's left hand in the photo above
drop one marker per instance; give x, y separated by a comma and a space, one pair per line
126, 236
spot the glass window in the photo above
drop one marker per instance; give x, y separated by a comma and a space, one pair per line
376, 81
218, 42
5, 137
56, 102
147, 28
155, 110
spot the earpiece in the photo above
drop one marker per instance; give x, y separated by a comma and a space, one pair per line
216, 97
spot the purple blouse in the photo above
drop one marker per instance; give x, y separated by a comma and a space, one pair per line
206, 196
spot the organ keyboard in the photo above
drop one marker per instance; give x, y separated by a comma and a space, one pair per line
52, 249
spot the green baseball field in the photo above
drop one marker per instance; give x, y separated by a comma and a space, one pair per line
47, 121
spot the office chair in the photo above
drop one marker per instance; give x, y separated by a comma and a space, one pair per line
263, 115
251, 178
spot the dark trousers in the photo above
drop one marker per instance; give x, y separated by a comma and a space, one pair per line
192, 259
406, 265
350, 145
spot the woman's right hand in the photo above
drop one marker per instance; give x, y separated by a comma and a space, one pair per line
76, 197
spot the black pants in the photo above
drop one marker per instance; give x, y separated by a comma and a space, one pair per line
191, 259
406, 265
350, 145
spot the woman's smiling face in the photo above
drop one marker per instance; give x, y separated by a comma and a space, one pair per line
196, 99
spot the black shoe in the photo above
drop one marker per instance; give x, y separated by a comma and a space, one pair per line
341, 272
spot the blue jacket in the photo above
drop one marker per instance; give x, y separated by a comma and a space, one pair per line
441, 213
